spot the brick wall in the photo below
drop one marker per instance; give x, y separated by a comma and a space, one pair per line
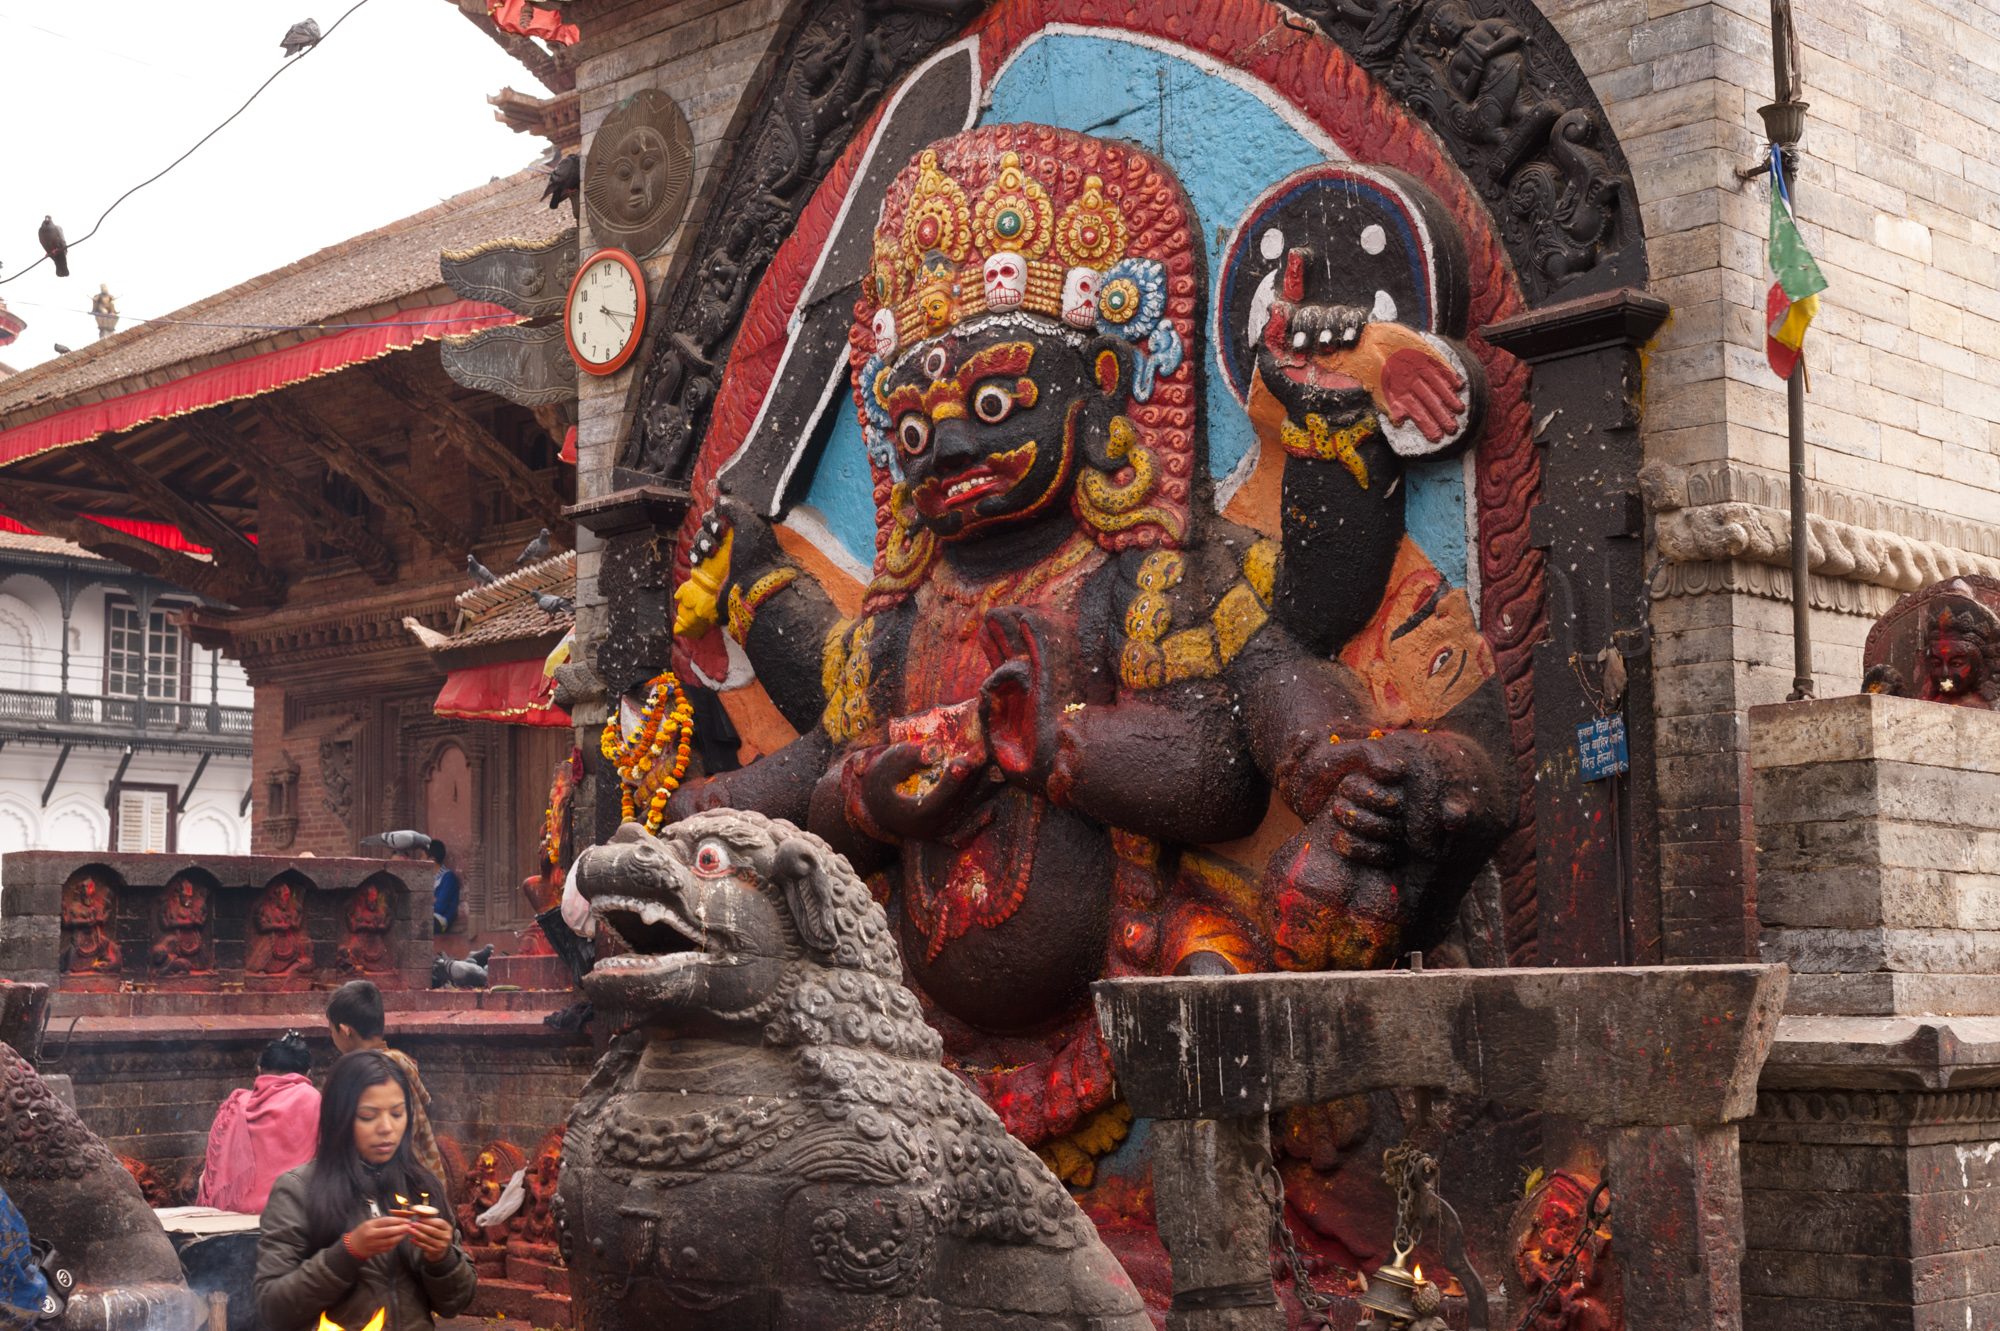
1899, 197
154, 1097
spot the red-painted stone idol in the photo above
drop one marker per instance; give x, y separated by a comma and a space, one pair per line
1083, 725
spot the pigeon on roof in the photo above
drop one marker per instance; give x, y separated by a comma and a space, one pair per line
554, 606
565, 182
534, 550
482, 575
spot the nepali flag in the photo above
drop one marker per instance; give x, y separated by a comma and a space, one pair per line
1794, 298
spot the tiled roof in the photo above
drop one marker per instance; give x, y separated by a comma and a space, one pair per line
506, 611
34, 543
363, 278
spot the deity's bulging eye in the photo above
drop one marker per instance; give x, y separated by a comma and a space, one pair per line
1440, 661
712, 859
913, 432
992, 403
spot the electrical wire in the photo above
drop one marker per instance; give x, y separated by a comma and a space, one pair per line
289, 62
259, 328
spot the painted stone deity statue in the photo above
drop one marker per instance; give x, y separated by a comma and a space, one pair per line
89, 914
1940, 643
278, 942
181, 944
1083, 725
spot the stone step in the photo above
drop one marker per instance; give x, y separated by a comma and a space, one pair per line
530, 972
306, 1009
517, 1301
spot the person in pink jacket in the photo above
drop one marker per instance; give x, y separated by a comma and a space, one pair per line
263, 1130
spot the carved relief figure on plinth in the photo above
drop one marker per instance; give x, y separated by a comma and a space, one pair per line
181, 941
775, 1142
1562, 1261
536, 1223
364, 940
89, 923
279, 945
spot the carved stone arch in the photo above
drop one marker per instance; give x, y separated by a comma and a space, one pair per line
208, 830
20, 643
18, 823
75, 819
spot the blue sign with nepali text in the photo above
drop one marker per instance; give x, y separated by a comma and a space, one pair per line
1600, 748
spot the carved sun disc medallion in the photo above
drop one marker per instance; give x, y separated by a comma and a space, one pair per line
638, 171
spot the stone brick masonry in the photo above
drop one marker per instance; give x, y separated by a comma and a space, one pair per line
1899, 197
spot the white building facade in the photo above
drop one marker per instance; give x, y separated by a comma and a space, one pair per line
117, 731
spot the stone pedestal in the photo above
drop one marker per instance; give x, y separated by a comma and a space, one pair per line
1878, 854
1664, 1059
1868, 1169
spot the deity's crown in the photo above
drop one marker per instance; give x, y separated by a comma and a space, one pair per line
1019, 219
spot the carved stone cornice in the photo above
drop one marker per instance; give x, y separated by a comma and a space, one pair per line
1878, 1108
1724, 527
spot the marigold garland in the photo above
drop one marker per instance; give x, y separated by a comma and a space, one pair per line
667, 719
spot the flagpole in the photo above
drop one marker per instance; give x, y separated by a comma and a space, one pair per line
1784, 122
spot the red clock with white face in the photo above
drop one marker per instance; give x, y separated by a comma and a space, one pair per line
606, 311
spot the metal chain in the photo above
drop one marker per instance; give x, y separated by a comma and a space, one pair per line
1411, 1172
1318, 1306
1594, 1217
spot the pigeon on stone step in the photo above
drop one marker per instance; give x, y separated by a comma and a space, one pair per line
403, 841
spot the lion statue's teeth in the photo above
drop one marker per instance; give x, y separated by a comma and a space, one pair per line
777, 1130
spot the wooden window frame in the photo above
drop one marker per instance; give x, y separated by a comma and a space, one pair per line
114, 600
173, 795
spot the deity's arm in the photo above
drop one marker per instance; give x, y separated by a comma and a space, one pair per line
778, 784
776, 611
1168, 763
789, 616
1398, 821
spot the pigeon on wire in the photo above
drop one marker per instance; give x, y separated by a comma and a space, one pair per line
482, 575
554, 606
565, 183
534, 550
54, 245
300, 38
403, 842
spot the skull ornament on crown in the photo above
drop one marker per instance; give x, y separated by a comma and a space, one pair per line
1006, 275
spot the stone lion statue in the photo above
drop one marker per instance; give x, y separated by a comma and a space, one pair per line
773, 1141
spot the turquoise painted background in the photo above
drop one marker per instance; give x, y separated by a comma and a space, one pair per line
1227, 146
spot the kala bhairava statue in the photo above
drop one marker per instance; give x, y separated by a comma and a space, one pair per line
1083, 724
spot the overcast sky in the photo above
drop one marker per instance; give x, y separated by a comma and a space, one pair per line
385, 119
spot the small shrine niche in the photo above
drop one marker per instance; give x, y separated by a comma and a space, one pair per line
183, 928
1940, 643
90, 924
279, 947
364, 945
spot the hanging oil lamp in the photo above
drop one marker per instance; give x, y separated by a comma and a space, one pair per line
1398, 1297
